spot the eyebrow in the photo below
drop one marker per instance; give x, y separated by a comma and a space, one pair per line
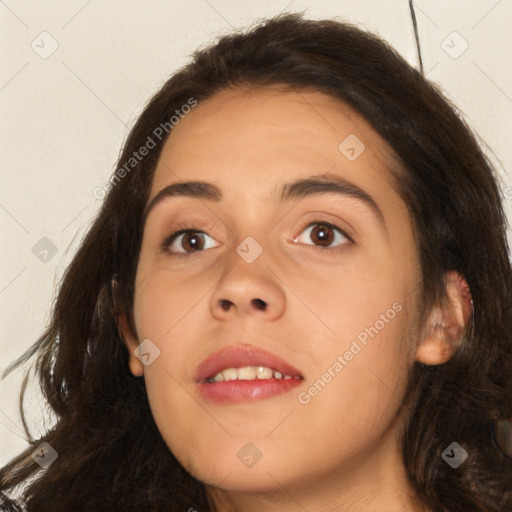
304, 187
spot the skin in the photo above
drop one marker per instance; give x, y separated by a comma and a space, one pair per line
340, 451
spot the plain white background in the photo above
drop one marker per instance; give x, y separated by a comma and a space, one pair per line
76, 74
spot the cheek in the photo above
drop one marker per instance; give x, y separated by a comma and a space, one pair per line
368, 359
363, 301
359, 373
363, 378
161, 302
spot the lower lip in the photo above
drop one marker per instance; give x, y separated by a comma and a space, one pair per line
237, 391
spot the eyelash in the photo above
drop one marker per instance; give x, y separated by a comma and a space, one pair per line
185, 228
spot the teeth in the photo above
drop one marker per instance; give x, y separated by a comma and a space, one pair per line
249, 373
230, 374
262, 372
246, 373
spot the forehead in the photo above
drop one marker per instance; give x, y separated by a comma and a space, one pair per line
260, 135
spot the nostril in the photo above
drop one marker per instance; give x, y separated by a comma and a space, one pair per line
225, 304
260, 304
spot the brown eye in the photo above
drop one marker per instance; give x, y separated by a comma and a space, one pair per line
187, 241
323, 234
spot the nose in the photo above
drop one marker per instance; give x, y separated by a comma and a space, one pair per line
248, 289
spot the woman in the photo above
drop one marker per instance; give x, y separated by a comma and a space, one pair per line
295, 297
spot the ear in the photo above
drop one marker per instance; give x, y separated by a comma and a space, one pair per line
445, 325
125, 333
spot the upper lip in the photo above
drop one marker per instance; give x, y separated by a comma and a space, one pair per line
240, 356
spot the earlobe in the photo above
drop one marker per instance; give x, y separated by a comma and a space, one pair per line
135, 365
436, 346
125, 333
445, 326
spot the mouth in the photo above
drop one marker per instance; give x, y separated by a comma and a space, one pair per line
245, 373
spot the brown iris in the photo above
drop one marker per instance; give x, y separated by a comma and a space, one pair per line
195, 241
324, 234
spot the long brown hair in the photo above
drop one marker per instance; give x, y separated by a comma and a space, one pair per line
110, 453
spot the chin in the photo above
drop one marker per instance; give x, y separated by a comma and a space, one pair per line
245, 481
227, 470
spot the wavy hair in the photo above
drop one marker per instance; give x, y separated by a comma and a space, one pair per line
110, 453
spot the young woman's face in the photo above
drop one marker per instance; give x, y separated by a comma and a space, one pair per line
323, 277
